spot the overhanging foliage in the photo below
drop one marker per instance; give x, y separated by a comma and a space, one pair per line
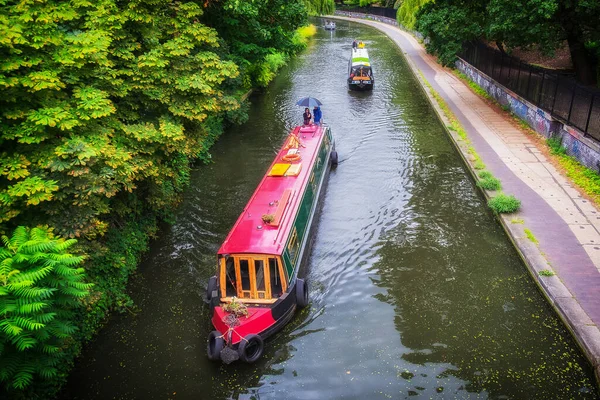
104, 107
542, 24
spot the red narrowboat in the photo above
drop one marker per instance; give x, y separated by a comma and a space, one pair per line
257, 289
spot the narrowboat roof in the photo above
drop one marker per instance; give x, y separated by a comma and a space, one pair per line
277, 196
360, 57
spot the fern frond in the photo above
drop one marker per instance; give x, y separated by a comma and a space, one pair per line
9, 328
50, 349
8, 306
22, 379
6, 241
23, 343
40, 286
37, 246
6, 266
62, 246
19, 237
60, 328
32, 307
27, 323
45, 318
9, 363
64, 271
47, 372
74, 292
41, 293
42, 335
39, 234
32, 275
4, 254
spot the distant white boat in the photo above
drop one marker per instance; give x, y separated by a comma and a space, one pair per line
330, 26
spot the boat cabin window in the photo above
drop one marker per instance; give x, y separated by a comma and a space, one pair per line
293, 246
244, 269
230, 289
259, 271
361, 71
276, 284
252, 277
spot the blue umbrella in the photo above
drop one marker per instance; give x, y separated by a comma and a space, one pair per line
309, 102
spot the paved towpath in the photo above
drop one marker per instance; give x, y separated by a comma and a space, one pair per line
566, 225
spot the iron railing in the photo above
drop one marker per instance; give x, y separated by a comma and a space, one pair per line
556, 93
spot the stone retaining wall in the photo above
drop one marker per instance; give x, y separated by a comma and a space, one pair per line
584, 149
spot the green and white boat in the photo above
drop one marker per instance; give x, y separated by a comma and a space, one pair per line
360, 72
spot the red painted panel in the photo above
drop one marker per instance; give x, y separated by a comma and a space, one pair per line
245, 236
257, 321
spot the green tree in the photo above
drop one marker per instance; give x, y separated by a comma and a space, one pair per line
407, 12
544, 24
102, 99
40, 287
320, 7
547, 24
448, 24
253, 30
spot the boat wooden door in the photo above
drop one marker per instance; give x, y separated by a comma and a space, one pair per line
253, 277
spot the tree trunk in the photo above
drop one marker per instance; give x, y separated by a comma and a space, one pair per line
500, 47
582, 59
583, 62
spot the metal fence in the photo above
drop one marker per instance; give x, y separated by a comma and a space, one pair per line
556, 93
381, 11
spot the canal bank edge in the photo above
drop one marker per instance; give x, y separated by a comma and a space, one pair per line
577, 321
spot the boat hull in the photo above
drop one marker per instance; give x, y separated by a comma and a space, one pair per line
352, 85
266, 320
263, 321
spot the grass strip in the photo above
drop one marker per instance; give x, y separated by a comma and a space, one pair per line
531, 236
586, 179
504, 204
488, 181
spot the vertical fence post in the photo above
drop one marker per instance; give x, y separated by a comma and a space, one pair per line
510, 60
555, 93
528, 82
539, 99
516, 88
501, 65
572, 101
587, 123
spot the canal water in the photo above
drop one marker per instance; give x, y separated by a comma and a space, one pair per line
415, 289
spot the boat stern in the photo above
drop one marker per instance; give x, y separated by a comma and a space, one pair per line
235, 328
239, 336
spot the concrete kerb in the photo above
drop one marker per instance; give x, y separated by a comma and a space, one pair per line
576, 320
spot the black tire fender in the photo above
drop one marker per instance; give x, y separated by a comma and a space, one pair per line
214, 346
215, 301
211, 287
334, 158
251, 348
301, 293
